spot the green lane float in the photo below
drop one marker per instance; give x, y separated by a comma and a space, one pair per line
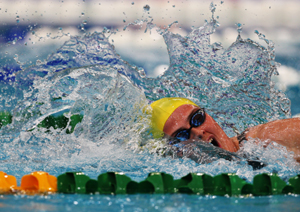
115, 183
295, 183
195, 183
270, 184
232, 185
156, 183
110, 183
72, 183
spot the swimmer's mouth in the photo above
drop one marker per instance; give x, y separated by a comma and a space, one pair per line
213, 142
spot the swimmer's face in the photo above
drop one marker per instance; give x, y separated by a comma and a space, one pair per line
209, 131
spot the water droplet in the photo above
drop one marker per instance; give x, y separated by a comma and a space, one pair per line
17, 19
25, 43
146, 8
141, 71
270, 7
222, 2
38, 62
239, 28
132, 3
212, 7
124, 20
82, 14
173, 5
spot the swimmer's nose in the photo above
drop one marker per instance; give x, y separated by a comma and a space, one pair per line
197, 133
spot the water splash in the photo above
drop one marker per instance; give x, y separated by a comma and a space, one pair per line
86, 76
233, 84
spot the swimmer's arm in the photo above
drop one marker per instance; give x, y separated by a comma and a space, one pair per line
285, 132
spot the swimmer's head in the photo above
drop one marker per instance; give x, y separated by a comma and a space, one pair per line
163, 108
183, 119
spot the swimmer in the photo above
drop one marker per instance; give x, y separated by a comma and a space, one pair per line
183, 119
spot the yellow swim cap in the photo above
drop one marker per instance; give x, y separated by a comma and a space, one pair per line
163, 108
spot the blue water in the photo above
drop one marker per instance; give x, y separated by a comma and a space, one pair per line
178, 202
87, 76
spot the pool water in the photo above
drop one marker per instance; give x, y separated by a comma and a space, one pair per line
146, 202
87, 77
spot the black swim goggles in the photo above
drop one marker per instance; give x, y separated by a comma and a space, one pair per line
197, 119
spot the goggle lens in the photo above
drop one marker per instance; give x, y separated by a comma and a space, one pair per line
197, 119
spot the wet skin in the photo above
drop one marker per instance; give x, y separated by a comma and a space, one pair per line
209, 131
285, 132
